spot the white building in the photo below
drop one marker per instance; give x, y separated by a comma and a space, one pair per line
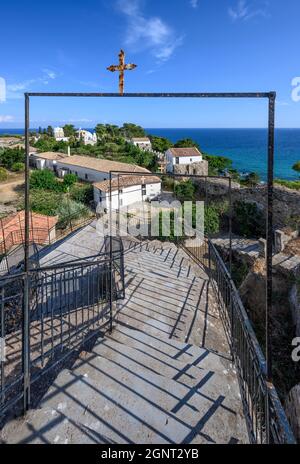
134, 188
59, 135
87, 137
142, 142
126, 190
47, 160
182, 156
92, 169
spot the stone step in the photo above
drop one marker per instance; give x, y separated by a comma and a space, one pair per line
168, 350
187, 373
104, 399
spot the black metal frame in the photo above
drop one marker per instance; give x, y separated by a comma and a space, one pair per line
270, 96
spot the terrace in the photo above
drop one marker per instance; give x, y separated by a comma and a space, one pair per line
149, 356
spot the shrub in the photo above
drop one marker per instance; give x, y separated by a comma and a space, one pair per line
9, 156
69, 210
211, 220
18, 167
3, 174
291, 184
217, 164
82, 193
249, 220
45, 202
69, 180
185, 191
251, 179
44, 180
296, 166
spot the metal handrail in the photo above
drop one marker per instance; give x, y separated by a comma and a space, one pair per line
263, 411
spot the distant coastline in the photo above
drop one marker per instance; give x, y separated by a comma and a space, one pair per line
246, 147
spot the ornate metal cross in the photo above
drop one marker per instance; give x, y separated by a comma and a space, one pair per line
121, 68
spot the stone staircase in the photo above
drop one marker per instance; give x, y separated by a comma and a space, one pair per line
164, 375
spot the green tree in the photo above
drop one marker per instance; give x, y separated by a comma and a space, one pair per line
185, 191
69, 180
130, 130
248, 220
160, 144
186, 143
44, 180
50, 131
296, 166
252, 179
3, 174
211, 220
18, 167
217, 165
10, 156
69, 130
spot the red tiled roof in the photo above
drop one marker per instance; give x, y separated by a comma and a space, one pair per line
126, 181
39, 227
189, 152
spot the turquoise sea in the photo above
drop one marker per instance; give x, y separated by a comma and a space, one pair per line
246, 147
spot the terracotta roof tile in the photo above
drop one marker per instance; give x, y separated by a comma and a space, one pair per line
193, 151
101, 165
126, 181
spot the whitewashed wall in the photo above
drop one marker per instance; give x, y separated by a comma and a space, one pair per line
183, 160
93, 175
129, 195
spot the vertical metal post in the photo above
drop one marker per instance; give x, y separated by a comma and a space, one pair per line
110, 258
269, 256
230, 226
26, 334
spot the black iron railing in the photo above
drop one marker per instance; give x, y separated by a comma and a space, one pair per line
49, 313
265, 417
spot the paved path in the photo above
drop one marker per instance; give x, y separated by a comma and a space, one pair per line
164, 375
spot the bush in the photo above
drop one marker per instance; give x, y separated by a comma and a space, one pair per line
69, 180
18, 167
251, 180
69, 210
10, 156
185, 191
249, 220
3, 174
211, 220
44, 180
217, 164
291, 184
82, 193
45, 202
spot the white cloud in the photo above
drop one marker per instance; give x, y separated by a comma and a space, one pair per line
194, 3
148, 32
14, 91
50, 74
6, 118
248, 9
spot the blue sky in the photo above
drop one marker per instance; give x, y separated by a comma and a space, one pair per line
179, 45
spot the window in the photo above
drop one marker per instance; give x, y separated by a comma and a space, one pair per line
143, 189
191, 160
177, 160
120, 191
86, 177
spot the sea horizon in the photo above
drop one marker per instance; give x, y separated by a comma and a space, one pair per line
247, 148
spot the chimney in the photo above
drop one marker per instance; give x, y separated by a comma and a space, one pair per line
69, 150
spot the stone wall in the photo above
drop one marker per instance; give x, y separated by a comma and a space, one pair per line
286, 201
196, 169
